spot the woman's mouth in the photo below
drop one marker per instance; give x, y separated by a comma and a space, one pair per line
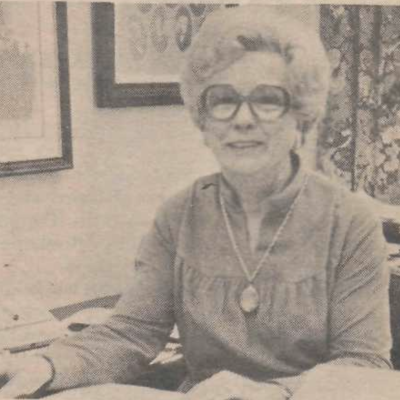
247, 144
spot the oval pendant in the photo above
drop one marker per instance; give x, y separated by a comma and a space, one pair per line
249, 299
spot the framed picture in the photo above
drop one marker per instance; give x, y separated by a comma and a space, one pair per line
35, 121
139, 48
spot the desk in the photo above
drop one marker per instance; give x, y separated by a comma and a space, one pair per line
169, 365
39, 328
349, 383
116, 392
326, 382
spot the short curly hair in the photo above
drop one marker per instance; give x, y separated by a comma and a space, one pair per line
228, 34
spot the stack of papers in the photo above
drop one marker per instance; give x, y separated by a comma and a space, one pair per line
25, 323
30, 336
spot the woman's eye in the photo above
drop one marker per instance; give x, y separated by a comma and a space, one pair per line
268, 106
269, 100
268, 96
223, 100
268, 111
223, 110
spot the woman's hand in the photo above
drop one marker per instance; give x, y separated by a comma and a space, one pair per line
226, 385
23, 376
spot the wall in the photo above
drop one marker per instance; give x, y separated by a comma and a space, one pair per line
72, 235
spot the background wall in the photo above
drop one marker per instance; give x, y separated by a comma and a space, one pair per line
72, 235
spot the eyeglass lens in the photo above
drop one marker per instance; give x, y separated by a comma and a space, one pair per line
268, 103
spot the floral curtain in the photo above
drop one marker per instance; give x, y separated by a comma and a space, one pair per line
359, 139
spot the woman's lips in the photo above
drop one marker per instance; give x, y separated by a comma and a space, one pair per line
248, 144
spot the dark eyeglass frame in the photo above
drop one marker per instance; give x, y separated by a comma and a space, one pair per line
248, 100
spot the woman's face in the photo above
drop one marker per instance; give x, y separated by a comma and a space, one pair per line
250, 141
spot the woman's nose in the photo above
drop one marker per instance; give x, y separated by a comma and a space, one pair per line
244, 119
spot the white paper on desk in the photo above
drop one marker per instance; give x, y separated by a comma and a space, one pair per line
22, 336
116, 392
349, 383
19, 309
25, 321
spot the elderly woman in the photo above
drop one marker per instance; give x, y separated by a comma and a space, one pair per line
267, 269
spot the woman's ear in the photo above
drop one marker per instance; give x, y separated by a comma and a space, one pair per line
202, 125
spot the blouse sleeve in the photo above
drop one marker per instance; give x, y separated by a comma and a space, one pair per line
359, 320
136, 332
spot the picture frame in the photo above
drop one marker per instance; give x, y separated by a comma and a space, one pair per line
163, 30
35, 118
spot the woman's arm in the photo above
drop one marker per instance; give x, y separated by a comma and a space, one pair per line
138, 330
359, 320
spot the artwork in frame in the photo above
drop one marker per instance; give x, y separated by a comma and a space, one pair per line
139, 48
35, 121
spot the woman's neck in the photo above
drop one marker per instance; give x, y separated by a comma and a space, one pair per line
253, 190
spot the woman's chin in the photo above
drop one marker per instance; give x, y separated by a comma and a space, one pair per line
246, 168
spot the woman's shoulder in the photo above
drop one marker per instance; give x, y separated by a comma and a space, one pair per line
174, 208
191, 192
352, 220
352, 207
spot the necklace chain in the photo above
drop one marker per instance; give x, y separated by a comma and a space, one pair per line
243, 265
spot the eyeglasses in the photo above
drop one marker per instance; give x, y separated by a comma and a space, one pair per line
266, 103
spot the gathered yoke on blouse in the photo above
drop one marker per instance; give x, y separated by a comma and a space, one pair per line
323, 291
